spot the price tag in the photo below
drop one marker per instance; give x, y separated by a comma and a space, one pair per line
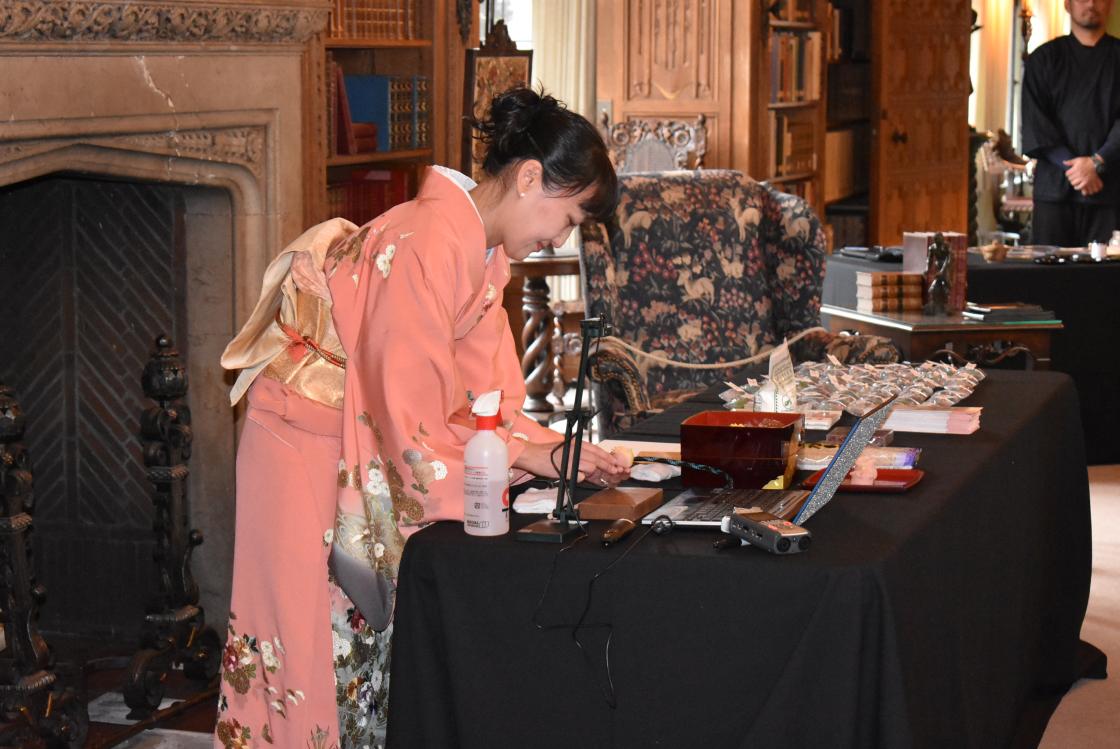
783, 378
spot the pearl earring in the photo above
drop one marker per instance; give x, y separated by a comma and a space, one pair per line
520, 194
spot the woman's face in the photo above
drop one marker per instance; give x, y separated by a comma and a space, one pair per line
540, 218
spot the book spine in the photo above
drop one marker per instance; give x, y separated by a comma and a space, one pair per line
898, 304
886, 278
345, 125
332, 108
889, 291
958, 289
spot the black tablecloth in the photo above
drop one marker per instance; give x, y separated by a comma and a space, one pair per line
1085, 299
924, 619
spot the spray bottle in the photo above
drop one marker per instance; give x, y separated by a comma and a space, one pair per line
486, 472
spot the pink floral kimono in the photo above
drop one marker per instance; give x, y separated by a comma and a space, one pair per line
358, 453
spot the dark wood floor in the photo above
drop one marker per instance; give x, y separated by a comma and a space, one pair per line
74, 653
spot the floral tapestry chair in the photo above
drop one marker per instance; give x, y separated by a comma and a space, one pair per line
703, 266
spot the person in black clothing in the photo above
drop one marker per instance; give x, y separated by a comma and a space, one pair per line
1071, 124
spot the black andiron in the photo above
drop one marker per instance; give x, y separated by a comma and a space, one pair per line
174, 631
35, 711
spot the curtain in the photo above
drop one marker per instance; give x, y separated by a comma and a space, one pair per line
564, 51
991, 47
564, 64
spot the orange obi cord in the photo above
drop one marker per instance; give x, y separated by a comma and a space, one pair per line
308, 344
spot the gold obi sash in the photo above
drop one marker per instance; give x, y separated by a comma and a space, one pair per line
309, 364
290, 335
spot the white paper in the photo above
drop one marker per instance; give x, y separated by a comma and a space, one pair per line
783, 378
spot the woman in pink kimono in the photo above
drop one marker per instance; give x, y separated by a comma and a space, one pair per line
372, 343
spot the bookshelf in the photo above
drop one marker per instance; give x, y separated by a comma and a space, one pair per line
790, 96
848, 127
383, 102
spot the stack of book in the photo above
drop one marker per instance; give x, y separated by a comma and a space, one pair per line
934, 419
887, 291
792, 142
795, 67
373, 19
1007, 312
368, 194
368, 113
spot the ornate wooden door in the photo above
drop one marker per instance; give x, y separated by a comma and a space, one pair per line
920, 132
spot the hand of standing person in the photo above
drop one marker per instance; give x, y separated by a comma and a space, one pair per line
1082, 174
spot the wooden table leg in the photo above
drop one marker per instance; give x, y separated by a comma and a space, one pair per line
536, 340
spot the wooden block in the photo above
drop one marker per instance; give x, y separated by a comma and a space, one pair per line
630, 502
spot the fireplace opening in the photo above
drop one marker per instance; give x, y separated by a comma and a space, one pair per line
92, 269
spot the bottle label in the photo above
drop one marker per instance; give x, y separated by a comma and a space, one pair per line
486, 499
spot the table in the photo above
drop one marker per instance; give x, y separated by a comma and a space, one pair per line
920, 337
926, 619
1082, 296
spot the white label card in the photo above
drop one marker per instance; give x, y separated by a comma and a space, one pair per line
781, 374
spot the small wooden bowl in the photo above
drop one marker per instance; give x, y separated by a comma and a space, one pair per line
994, 253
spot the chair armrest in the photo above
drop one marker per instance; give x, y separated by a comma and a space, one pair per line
620, 391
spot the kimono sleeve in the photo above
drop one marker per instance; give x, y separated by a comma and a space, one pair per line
404, 424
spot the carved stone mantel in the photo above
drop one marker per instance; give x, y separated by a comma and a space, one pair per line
141, 21
221, 95
242, 146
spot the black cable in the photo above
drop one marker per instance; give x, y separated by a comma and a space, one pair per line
728, 480
608, 690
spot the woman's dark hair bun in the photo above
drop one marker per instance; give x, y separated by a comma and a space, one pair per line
526, 124
511, 119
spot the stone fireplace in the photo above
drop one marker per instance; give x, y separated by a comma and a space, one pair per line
153, 157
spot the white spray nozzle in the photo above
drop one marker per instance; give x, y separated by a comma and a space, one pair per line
487, 404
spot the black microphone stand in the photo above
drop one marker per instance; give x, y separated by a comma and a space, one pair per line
564, 522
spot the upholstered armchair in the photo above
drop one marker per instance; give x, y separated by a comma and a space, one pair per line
703, 266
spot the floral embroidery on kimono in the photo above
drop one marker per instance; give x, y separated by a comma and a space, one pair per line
361, 659
242, 655
414, 307
384, 260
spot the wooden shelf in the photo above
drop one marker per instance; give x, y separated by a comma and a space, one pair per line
793, 25
793, 104
848, 123
797, 177
379, 157
377, 43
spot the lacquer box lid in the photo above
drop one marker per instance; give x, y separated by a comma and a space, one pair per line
754, 447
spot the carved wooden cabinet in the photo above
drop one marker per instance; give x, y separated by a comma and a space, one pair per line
896, 156
919, 178
676, 59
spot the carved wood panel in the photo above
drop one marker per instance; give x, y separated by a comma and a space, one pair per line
670, 59
670, 49
920, 172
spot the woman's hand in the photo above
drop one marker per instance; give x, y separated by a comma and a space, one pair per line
596, 465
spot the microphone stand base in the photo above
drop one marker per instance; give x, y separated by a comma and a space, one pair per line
550, 530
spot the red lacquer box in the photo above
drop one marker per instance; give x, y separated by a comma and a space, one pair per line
754, 447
